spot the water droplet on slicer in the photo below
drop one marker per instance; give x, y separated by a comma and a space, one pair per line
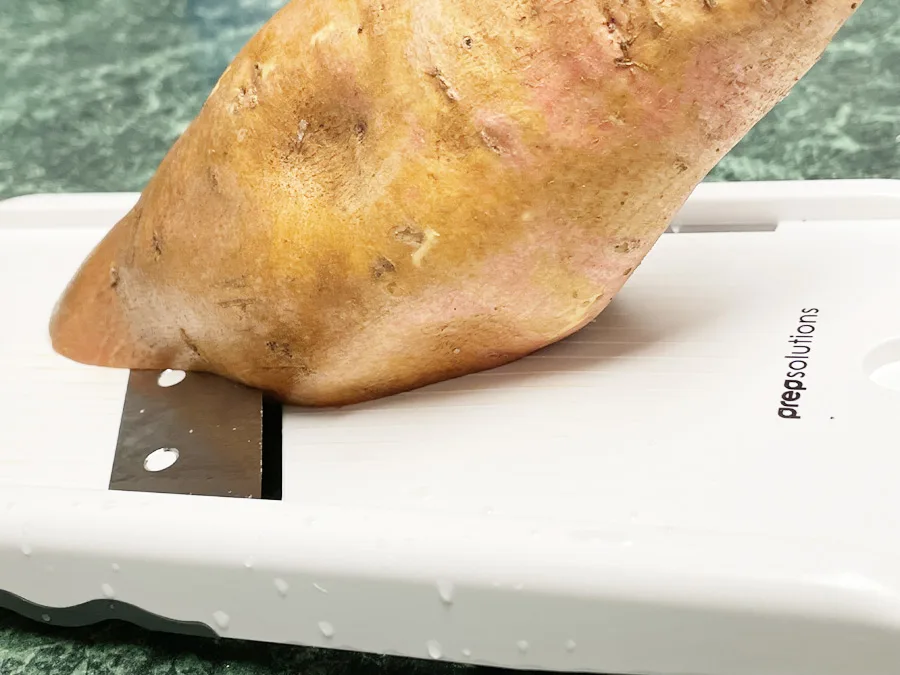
222, 619
488, 510
326, 629
467, 652
445, 591
320, 588
26, 550
570, 645
108, 591
115, 567
522, 646
282, 587
518, 587
248, 563
434, 649
45, 617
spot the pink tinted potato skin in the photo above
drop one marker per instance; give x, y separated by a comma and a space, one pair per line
381, 195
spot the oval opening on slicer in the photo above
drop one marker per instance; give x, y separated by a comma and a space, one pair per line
169, 378
161, 459
882, 365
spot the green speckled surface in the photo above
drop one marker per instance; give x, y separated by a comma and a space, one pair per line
121, 649
95, 91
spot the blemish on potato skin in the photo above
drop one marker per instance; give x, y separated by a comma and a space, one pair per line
382, 266
189, 343
627, 246
430, 241
113, 276
444, 84
240, 303
214, 178
234, 282
409, 235
624, 43
492, 143
302, 126
156, 246
247, 97
282, 349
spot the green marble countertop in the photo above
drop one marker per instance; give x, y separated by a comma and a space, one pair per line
95, 91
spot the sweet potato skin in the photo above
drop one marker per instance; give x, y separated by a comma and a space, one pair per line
381, 195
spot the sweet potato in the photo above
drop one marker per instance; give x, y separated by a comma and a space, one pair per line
379, 195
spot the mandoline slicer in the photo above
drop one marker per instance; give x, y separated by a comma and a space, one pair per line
703, 481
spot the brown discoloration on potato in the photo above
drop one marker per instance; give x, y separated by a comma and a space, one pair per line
492, 143
189, 342
444, 83
511, 183
214, 178
409, 235
381, 267
156, 245
246, 97
280, 349
240, 303
628, 245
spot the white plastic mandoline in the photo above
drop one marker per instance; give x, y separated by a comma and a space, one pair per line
628, 501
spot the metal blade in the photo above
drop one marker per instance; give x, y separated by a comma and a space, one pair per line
201, 435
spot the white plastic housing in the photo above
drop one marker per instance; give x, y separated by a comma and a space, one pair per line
628, 501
